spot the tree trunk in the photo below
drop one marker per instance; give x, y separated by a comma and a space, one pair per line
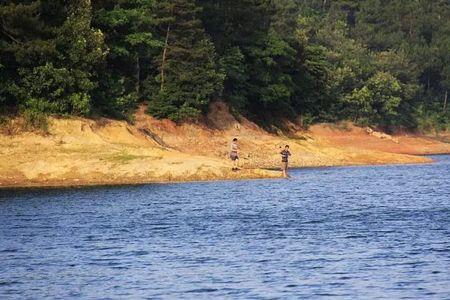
410, 26
445, 100
166, 45
138, 75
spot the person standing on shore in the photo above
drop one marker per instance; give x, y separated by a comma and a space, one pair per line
234, 154
284, 161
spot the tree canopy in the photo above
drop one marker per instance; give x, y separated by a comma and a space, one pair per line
375, 62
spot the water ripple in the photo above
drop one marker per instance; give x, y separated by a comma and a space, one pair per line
341, 233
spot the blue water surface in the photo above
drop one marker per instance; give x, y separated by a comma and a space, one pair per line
376, 232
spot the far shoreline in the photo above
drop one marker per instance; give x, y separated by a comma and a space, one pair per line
67, 184
79, 152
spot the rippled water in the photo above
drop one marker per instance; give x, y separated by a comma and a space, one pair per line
341, 233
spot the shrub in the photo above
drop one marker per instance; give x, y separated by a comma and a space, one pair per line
52, 90
35, 120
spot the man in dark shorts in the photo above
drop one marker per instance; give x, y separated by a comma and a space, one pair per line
234, 154
284, 160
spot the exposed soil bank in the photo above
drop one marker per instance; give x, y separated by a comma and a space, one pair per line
87, 152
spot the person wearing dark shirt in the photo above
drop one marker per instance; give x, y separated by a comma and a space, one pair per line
284, 160
234, 154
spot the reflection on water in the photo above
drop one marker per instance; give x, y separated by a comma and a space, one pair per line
351, 232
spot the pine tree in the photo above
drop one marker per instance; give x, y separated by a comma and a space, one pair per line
24, 42
188, 74
82, 51
129, 27
254, 41
323, 59
52, 66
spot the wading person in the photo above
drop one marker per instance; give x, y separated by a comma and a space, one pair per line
284, 160
234, 154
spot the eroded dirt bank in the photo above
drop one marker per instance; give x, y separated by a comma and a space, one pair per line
87, 152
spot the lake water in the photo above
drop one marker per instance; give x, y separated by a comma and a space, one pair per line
339, 233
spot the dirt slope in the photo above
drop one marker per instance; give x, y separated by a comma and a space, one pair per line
322, 146
81, 151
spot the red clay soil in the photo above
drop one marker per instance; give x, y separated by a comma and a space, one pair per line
322, 145
348, 135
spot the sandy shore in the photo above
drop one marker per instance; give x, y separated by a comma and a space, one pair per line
79, 152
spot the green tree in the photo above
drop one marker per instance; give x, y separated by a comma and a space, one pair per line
377, 101
24, 42
234, 33
374, 61
188, 74
51, 66
259, 54
129, 27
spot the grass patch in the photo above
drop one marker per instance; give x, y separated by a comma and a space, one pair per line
342, 126
124, 158
36, 121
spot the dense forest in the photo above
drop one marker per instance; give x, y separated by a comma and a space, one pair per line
384, 63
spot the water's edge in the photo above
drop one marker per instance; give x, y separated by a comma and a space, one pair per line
69, 184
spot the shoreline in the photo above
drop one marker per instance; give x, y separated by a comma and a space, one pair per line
79, 152
68, 184
125, 184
